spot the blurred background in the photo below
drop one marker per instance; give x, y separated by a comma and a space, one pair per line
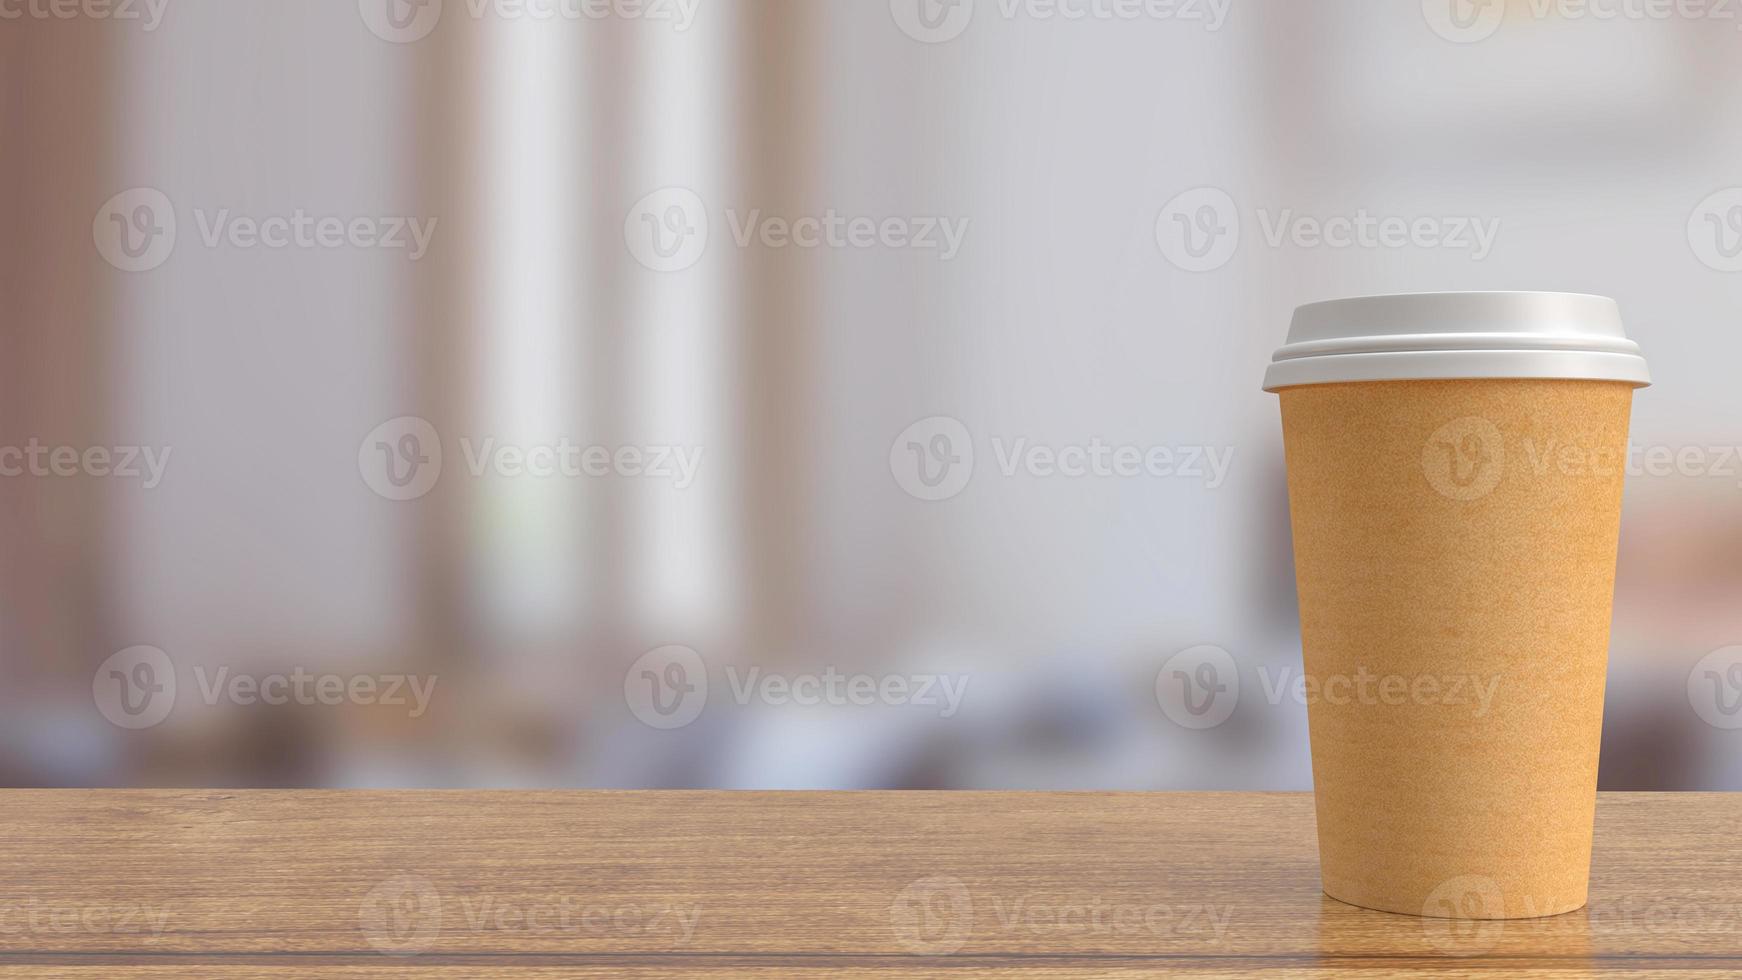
686, 393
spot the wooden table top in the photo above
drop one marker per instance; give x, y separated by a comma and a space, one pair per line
449, 884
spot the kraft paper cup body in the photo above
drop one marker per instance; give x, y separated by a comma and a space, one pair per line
1455, 543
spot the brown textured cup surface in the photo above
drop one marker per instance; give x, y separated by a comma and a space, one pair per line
1455, 556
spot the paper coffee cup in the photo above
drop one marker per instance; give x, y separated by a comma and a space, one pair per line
1455, 467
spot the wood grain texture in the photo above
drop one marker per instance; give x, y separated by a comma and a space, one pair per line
271, 884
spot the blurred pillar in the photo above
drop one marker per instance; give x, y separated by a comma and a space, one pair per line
781, 408
58, 79
441, 341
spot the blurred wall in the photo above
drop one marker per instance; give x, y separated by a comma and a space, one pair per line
584, 233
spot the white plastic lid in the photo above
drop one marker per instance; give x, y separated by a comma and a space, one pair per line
1439, 336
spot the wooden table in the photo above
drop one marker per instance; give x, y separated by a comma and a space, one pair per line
290, 884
